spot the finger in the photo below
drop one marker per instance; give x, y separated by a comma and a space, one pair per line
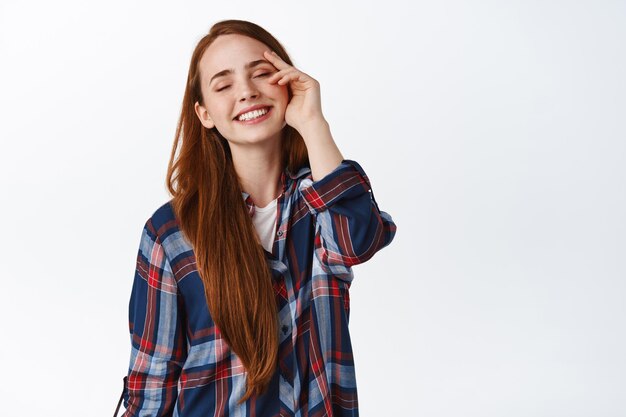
277, 76
276, 60
280, 75
293, 75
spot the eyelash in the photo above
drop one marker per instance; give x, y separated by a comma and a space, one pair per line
260, 75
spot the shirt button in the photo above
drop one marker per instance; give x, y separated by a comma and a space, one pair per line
285, 328
280, 233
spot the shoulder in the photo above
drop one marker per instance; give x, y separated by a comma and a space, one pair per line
162, 222
163, 216
164, 227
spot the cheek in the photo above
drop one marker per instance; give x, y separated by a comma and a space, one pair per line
280, 91
288, 93
285, 94
218, 112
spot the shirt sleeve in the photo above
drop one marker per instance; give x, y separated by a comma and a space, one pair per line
350, 228
158, 342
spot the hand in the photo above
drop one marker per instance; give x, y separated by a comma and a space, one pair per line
305, 105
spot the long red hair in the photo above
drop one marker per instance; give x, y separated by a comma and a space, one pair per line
213, 216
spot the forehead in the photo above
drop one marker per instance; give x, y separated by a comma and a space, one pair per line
230, 51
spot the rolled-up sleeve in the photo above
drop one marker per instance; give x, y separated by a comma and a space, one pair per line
158, 342
350, 227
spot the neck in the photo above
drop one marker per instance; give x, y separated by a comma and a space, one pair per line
259, 168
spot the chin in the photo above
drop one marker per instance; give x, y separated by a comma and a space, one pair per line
259, 138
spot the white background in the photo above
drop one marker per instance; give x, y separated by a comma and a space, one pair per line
493, 132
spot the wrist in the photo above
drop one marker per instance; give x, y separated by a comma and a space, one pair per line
313, 127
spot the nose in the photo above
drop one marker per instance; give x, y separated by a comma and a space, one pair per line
247, 90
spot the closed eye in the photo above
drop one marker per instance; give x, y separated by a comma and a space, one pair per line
265, 74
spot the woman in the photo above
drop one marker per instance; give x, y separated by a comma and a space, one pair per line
240, 300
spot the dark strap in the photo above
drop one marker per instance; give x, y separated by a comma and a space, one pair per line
119, 403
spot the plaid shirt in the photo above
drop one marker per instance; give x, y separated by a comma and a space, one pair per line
179, 363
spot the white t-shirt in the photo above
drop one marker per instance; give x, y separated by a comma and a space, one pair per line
264, 220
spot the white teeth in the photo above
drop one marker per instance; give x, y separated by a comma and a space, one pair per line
253, 114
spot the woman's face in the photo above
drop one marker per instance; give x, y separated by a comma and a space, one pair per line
233, 74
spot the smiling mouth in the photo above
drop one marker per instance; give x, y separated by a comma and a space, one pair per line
253, 115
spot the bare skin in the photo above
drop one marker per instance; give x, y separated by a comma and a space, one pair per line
256, 146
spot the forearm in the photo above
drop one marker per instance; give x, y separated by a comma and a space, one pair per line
324, 155
350, 225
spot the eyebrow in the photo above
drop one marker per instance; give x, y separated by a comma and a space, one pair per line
230, 71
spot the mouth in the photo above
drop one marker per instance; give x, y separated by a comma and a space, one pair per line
254, 116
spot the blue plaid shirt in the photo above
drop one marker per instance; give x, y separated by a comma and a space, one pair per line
181, 366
